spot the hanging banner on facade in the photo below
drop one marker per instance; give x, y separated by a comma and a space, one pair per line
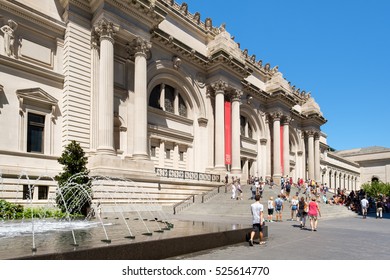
281, 151
228, 132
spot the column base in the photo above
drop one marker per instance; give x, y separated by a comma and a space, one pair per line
105, 151
277, 179
113, 166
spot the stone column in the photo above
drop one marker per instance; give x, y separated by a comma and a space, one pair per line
94, 90
106, 31
286, 146
317, 157
236, 147
268, 171
277, 174
142, 51
219, 88
263, 158
310, 151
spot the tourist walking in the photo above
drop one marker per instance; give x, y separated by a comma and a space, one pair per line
302, 212
271, 207
294, 208
379, 208
257, 220
233, 190
364, 204
278, 208
314, 211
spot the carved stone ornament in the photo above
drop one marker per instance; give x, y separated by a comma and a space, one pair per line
276, 115
236, 95
184, 8
9, 37
176, 62
197, 17
106, 29
287, 120
141, 46
219, 85
208, 23
201, 79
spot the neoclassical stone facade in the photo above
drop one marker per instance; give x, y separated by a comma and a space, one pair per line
144, 85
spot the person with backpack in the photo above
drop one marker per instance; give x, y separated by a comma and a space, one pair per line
278, 208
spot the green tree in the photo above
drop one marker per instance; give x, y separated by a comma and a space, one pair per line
376, 189
74, 185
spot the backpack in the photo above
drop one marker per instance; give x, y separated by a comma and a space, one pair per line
278, 203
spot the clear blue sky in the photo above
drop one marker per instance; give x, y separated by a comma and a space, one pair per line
339, 50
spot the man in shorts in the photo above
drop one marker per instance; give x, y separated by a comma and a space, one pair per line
364, 203
257, 220
278, 208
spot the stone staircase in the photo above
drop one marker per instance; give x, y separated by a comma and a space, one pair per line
220, 207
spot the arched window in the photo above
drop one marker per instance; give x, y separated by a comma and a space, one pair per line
168, 99
154, 99
182, 107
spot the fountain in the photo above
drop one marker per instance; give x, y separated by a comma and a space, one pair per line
116, 206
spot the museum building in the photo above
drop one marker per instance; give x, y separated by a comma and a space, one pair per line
154, 94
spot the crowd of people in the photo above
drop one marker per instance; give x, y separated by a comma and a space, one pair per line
303, 203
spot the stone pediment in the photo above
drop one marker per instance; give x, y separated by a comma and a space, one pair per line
36, 94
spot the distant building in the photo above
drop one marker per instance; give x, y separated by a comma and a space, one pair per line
374, 163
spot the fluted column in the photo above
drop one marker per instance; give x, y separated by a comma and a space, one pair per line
219, 88
141, 52
310, 150
277, 164
317, 158
94, 90
106, 30
268, 171
262, 158
236, 147
286, 146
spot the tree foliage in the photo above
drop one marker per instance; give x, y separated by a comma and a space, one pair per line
74, 162
376, 189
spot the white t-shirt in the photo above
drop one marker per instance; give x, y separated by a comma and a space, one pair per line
270, 204
256, 208
364, 203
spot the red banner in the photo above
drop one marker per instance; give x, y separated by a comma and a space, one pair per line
281, 151
228, 132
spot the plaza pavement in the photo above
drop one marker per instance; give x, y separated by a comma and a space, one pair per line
341, 235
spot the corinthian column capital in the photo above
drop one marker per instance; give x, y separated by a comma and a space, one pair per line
106, 29
139, 46
219, 85
287, 120
236, 95
276, 116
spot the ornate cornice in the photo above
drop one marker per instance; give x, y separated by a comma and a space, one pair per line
33, 16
